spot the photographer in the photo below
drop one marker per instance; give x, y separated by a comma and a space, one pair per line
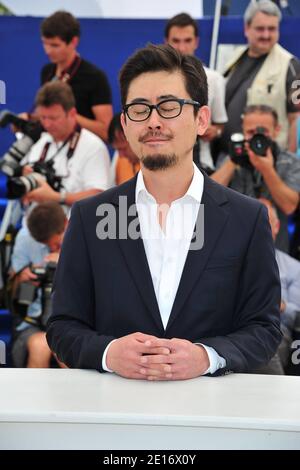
35, 246
272, 173
78, 158
262, 72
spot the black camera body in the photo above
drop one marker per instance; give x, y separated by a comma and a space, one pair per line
259, 144
19, 186
10, 162
45, 274
27, 293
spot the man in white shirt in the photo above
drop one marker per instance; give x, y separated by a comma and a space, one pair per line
174, 275
78, 157
181, 32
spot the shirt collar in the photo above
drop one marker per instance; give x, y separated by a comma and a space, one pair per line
48, 138
195, 189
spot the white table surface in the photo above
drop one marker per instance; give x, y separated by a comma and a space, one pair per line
64, 408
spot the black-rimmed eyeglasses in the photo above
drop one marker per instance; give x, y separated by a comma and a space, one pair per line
167, 109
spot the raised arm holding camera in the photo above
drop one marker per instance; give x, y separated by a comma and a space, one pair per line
259, 168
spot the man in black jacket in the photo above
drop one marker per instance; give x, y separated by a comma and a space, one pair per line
169, 276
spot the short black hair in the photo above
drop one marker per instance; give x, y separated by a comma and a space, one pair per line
157, 58
61, 24
45, 220
114, 126
181, 21
55, 93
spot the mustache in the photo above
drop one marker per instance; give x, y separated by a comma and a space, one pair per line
154, 134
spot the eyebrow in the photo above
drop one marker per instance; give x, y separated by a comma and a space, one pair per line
159, 98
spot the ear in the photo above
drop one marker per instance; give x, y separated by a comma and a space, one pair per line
276, 227
74, 41
123, 122
277, 130
73, 112
203, 118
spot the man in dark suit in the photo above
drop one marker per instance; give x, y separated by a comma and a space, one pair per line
170, 275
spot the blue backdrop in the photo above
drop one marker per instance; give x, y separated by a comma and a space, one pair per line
237, 7
107, 43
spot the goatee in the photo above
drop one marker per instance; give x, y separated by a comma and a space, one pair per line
159, 161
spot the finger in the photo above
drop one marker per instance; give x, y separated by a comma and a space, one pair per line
173, 376
148, 361
156, 373
158, 343
251, 154
153, 351
160, 379
132, 375
143, 338
269, 154
148, 347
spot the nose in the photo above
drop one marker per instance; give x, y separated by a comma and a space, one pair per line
47, 49
45, 123
181, 48
265, 33
154, 120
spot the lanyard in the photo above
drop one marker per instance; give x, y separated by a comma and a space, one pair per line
72, 140
69, 73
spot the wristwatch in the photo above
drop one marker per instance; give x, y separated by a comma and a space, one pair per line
63, 195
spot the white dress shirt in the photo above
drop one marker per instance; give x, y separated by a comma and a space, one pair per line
88, 168
166, 250
216, 103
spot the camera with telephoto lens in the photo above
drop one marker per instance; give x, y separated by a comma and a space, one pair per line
28, 292
259, 144
10, 162
42, 171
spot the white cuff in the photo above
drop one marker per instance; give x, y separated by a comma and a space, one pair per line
216, 362
104, 366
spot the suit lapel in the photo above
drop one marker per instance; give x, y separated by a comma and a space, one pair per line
215, 217
216, 213
134, 253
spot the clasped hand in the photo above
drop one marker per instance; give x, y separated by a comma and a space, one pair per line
141, 356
